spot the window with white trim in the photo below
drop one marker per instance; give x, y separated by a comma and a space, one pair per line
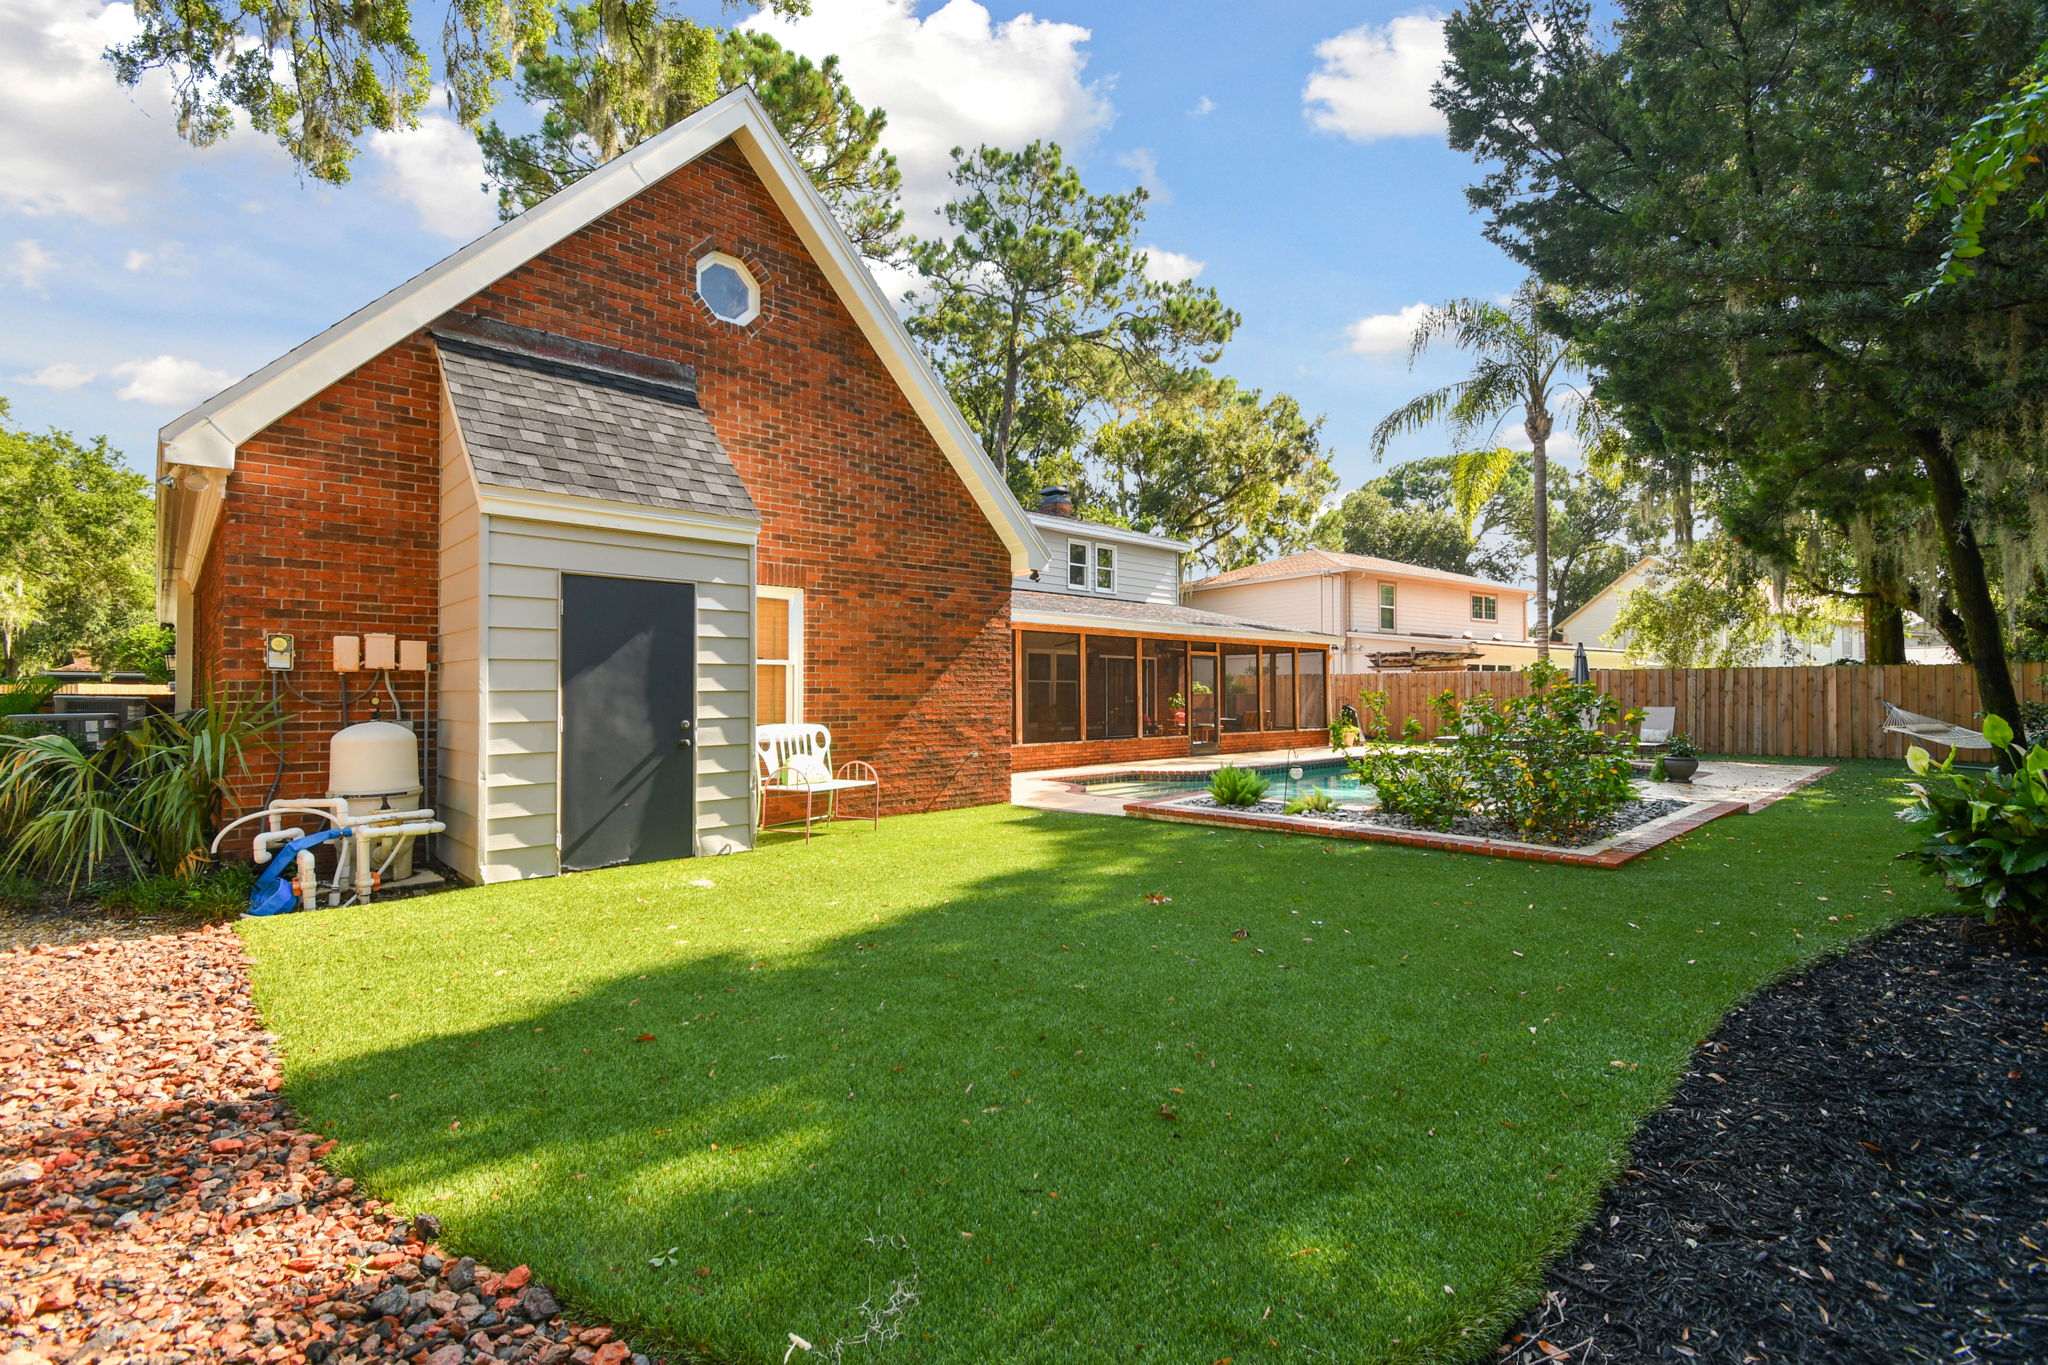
778, 655
1386, 606
1485, 608
1091, 566
728, 288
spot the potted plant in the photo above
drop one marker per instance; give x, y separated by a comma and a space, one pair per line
1679, 761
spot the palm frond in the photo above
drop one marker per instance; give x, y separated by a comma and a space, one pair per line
1415, 414
1476, 475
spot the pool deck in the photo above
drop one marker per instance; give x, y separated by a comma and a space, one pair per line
1061, 790
1753, 785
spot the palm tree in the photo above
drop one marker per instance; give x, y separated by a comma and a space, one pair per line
1519, 367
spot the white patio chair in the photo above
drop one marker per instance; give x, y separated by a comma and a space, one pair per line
1928, 730
797, 760
1657, 725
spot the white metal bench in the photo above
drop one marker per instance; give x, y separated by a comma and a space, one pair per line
1656, 728
797, 760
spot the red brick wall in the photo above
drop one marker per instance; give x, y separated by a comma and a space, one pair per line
906, 586
330, 527
1082, 753
907, 649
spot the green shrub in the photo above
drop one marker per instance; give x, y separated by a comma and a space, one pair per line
1235, 786
218, 894
1312, 801
1680, 745
144, 798
1540, 764
1987, 834
1372, 716
27, 696
1429, 788
1411, 729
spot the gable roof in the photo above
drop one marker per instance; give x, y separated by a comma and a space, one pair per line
1327, 561
205, 438
552, 426
1632, 572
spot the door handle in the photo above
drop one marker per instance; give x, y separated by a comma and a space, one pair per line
683, 740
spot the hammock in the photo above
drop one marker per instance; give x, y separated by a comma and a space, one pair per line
1932, 731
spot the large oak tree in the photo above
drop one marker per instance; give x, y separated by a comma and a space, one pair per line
1728, 193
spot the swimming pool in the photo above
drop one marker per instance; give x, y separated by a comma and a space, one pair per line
1332, 775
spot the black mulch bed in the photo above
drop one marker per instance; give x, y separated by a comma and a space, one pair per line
1625, 817
1853, 1171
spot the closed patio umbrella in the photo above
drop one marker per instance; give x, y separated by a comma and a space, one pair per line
1581, 671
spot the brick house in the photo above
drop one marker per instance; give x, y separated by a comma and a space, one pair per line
1112, 667
648, 465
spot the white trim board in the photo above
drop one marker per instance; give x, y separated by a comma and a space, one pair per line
207, 436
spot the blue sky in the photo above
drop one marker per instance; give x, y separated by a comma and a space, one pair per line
1292, 153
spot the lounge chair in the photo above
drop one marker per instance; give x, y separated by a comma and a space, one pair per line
797, 760
1655, 733
1928, 730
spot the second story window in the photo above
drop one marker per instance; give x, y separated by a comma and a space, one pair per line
1485, 608
1386, 606
1091, 566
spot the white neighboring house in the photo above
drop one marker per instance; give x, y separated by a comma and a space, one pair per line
1593, 623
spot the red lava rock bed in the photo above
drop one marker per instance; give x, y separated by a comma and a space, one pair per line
157, 1204
1854, 1170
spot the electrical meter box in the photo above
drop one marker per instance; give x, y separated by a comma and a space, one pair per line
280, 651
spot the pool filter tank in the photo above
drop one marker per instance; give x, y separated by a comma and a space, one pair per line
375, 766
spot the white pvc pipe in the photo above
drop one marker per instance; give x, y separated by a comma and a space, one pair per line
268, 837
309, 884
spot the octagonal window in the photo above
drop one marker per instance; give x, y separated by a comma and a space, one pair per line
728, 288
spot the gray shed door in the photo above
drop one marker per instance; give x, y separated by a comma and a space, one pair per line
629, 718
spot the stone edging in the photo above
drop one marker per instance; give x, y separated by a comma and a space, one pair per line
1626, 847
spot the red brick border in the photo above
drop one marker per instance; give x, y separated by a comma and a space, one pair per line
1626, 848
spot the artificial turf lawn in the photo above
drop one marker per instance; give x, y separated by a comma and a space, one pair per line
1332, 1100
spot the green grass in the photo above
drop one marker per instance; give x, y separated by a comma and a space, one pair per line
1396, 1097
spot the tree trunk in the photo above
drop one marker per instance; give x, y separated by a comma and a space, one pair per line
1971, 584
1537, 424
1006, 420
1884, 625
1681, 506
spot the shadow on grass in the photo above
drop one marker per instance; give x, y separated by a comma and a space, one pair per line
1325, 1101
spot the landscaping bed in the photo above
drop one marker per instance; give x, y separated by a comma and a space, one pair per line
1852, 1170
1624, 818
159, 1203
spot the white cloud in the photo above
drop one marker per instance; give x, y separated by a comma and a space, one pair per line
62, 375
1374, 80
167, 259
1170, 267
1203, 108
28, 263
953, 78
71, 139
438, 170
1145, 162
1385, 334
1563, 441
169, 381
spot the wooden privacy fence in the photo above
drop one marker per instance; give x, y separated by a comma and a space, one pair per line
1819, 712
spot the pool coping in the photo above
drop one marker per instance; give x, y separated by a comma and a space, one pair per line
1621, 849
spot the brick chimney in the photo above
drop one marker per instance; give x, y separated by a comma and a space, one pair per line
1055, 502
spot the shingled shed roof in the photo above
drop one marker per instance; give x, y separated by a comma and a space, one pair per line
553, 426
